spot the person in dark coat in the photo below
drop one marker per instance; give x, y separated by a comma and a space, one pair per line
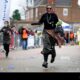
6, 37
49, 19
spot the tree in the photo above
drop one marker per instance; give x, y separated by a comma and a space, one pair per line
16, 15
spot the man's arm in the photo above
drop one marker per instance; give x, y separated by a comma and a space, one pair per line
41, 21
2, 30
56, 19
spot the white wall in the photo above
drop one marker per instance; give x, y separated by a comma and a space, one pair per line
30, 3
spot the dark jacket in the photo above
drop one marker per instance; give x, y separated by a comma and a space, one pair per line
6, 34
49, 21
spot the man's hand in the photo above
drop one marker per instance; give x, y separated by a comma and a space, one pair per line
35, 23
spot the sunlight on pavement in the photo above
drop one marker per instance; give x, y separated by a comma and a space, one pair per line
65, 58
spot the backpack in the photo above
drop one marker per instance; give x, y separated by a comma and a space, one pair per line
60, 30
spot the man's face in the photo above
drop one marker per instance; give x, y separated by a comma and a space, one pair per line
49, 9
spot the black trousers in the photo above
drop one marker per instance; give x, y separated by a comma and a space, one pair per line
48, 46
52, 53
6, 48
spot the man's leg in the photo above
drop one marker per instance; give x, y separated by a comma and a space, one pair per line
4, 45
45, 64
52, 51
46, 48
26, 43
53, 55
6, 48
23, 44
45, 51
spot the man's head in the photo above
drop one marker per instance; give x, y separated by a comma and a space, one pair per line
24, 27
6, 23
49, 9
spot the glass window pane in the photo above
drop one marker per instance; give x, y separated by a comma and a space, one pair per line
63, 2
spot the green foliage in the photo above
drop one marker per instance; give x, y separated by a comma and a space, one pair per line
16, 15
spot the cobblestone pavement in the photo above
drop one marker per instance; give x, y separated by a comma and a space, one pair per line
67, 60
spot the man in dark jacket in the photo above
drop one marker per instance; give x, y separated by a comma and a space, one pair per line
49, 19
6, 37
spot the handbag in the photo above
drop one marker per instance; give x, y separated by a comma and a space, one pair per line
59, 30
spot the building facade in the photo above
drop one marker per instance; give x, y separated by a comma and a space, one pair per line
65, 9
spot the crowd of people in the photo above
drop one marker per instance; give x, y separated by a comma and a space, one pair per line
29, 38
21, 37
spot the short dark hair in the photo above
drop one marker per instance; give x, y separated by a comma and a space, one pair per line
7, 21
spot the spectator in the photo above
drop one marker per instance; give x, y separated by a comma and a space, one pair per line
6, 37
24, 35
71, 37
36, 39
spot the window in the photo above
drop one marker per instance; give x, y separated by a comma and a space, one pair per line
44, 2
36, 12
40, 2
36, 2
78, 2
63, 3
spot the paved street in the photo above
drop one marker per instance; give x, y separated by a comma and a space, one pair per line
67, 60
